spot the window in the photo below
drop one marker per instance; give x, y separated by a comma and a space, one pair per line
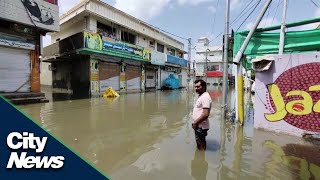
128, 37
160, 48
151, 45
213, 68
106, 31
102, 28
171, 51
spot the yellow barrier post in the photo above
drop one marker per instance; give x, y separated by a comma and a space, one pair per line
240, 108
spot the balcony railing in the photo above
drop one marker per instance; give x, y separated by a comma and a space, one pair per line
92, 43
177, 61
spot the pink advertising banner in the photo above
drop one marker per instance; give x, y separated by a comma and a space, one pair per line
287, 95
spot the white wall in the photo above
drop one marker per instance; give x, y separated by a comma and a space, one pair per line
212, 80
211, 56
112, 14
45, 74
184, 73
73, 29
142, 41
200, 67
91, 24
14, 10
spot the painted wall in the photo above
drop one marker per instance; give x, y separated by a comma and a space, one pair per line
127, 21
143, 41
184, 74
165, 75
71, 29
40, 13
46, 74
115, 15
287, 95
81, 76
61, 77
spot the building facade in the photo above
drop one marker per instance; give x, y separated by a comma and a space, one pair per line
208, 62
99, 46
22, 25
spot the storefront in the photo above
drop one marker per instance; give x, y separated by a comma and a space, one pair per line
158, 61
15, 63
151, 77
21, 29
119, 65
109, 76
133, 76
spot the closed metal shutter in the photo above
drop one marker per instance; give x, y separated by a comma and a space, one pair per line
133, 77
15, 70
150, 79
109, 76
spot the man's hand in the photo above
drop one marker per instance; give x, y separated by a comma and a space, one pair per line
194, 126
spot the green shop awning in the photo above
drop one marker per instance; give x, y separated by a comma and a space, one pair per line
263, 43
112, 53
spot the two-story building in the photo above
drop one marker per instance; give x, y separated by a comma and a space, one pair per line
99, 46
209, 62
22, 25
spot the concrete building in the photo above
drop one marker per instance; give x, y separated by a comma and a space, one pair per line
209, 62
99, 46
22, 25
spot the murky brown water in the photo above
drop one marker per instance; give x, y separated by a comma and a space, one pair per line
149, 136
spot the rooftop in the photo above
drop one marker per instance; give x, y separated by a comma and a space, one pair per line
64, 18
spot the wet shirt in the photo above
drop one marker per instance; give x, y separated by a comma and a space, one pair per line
203, 101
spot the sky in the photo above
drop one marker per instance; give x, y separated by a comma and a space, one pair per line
206, 18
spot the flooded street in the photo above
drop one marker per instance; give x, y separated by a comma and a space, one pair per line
149, 136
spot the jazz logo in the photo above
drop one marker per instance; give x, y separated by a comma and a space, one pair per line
301, 107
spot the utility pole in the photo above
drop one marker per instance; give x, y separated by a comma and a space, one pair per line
283, 27
225, 61
206, 66
189, 61
237, 60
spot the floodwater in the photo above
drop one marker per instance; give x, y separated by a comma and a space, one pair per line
149, 136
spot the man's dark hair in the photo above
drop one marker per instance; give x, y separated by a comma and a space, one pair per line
202, 83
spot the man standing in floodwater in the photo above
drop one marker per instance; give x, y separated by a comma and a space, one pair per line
200, 114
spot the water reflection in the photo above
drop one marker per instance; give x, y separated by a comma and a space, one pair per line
303, 161
199, 165
149, 136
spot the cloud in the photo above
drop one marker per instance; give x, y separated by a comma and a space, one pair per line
264, 23
311, 26
209, 35
66, 5
212, 9
235, 4
192, 2
142, 9
147, 9
46, 40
